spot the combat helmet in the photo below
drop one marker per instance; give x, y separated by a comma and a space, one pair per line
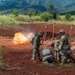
40, 34
62, 31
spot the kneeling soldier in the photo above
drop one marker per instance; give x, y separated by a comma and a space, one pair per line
47, 55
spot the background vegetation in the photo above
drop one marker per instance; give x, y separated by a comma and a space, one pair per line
15, 18
18, 12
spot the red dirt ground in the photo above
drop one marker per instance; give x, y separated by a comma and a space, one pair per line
18, 57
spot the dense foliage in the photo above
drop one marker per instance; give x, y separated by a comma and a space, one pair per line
16, 18
25, 6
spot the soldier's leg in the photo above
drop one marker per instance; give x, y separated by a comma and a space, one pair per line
34, 54
44, 59
63, 58
38, 53
68, 59
68, 55
55, 55
58, 56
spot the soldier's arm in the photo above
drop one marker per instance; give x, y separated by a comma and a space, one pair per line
32, 40
60, 46
61, 43
56, 45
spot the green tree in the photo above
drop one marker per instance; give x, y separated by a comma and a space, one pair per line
46, 16
30, 14
54, 16
50, 8
36, 12
16, 13
68, 16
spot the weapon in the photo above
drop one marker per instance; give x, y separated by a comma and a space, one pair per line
53, 32
46, 27
71, 33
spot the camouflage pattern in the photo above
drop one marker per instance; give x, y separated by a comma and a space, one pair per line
47, 55
63, 48
36, 45
57, 55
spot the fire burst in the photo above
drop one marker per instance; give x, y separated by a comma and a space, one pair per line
20, 38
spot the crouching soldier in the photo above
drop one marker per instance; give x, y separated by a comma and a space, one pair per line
64, 47
36, 44
55, 46
47, 55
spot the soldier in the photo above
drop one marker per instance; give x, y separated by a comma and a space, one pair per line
57, 55
55, 45
47, 55
36, 44
64, 47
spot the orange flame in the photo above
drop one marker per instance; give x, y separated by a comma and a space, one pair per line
20, 38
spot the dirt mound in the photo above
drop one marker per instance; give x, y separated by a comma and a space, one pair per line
42, 27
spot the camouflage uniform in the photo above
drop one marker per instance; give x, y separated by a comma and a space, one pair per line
36, 45
57, 55
64, 48
56, 48
47, 55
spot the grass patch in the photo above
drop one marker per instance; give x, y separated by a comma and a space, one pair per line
36, 74
49, 64
1, 61
2, 65
23, 18
65, 66
8, 21
11, 20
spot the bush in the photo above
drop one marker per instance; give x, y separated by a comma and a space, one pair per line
46, 16
23, 18
5, 20
30, 14
68, 16
36, 13
16, 13
54, 16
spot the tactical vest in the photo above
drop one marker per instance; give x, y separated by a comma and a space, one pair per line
36, 41
65, 41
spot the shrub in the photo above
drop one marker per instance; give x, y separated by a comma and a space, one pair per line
16, 13
54, 16
6, 21
30, 14
46, 16
68, 16
36, 12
